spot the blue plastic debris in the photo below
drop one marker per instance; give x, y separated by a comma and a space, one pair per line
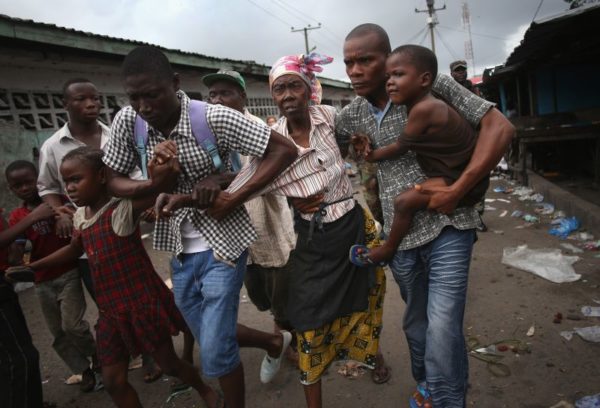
591, 401
565, 226
531, 218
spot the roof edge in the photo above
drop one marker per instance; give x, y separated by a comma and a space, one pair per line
44, 33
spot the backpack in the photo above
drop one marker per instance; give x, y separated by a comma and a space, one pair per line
201, 131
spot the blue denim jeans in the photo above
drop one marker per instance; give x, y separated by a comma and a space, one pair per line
207, 292
433, 283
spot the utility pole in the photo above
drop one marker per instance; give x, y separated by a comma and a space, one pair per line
305, 30
432, 19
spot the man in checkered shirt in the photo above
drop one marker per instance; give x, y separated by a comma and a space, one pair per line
208, 269
432, 264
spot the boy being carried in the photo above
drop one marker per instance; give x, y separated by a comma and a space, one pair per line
442, 140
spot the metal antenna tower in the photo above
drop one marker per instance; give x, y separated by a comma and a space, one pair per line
431, 20
466, 22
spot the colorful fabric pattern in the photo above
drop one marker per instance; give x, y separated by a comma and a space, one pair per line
350, 337
305, 67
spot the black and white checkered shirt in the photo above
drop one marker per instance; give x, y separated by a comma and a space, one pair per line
395, 176
228, 237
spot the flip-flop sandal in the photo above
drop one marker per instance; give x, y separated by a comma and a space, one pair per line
20, 274
359, 256
421, 398
381, 379
150, 377
177, 390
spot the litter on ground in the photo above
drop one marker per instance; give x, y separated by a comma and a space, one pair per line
572, 248
547, 263
74, 379
590, 311
591, 333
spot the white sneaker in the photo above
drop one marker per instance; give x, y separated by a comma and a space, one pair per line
270, 366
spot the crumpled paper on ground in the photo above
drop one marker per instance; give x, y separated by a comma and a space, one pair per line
74, 379
351, 369
591, 333
547, 263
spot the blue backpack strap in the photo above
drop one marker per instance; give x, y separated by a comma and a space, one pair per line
140, 137
236, 161
204, 136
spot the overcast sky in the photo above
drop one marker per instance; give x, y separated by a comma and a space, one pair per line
259, 30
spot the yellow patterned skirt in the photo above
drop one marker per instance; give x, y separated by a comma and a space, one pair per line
351, 337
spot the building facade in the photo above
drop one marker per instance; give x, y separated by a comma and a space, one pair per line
36, 59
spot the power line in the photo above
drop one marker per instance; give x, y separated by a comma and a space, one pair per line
328, 35
295, 9
477, 34
537, 10
271, 14
445, 44
411, 39
424, 36
290, 10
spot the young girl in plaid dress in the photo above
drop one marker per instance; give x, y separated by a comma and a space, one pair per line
137, 312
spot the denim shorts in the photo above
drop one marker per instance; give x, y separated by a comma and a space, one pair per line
207, 292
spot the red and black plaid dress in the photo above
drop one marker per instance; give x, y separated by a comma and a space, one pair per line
137, 312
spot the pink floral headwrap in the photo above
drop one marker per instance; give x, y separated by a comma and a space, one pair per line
305, 67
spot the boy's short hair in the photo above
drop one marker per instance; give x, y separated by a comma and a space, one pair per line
147, 60
370, 28
423, 58
19, 165
74, 81
91, 156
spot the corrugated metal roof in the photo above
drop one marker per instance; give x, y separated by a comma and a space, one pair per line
44, 33
574, 32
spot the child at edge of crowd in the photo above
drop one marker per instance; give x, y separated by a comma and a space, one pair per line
20, 377
136, 310
57, 288
442, 140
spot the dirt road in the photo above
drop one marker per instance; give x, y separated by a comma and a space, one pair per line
503, 303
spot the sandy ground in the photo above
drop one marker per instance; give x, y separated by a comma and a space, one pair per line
503, 303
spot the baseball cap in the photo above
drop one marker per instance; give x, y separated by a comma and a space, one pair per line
224, 75
458, 64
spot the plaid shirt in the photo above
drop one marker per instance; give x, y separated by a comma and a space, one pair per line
396, 176
229, 237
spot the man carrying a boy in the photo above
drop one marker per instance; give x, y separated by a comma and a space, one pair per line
432, 264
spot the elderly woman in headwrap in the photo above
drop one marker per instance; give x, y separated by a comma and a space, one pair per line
335, 306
